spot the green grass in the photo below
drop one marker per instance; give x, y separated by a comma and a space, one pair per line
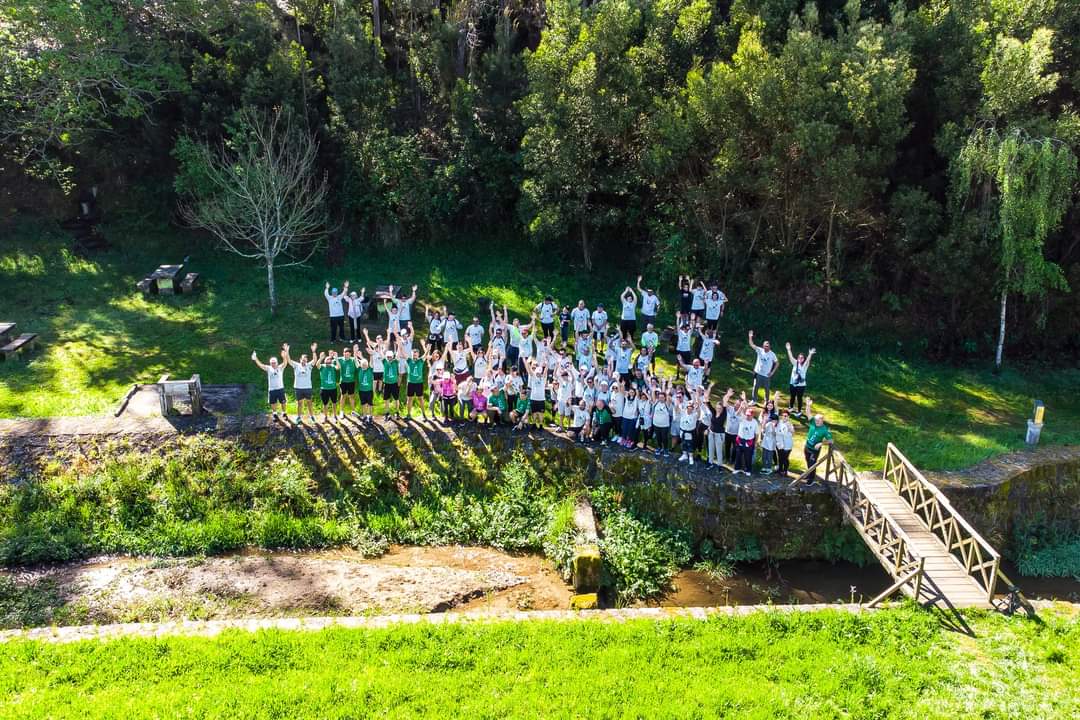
101, 336
895, 664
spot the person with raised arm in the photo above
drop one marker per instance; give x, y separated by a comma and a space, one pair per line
716, 427
714, 307
745, 440
414, 388
358, 305
650, 304
628, 318
335, 302
377, 351
275, 380
404, 305
346, 367
328, 385
697, 300
365, 384
799, 367
764, 367
301, 381
686, 295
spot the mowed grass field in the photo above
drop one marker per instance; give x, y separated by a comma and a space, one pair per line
900, 663
100, 335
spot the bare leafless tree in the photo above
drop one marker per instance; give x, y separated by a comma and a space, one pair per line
262, 196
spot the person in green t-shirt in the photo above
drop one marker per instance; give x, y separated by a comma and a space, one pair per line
365, 383
496, 409
346, 367
328, 385
414, 388
391, 392
817, 436
521, 410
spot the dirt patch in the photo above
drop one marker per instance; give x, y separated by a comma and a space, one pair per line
406, 579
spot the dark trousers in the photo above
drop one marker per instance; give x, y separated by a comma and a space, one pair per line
602, 432
729, 447
796, 401
811, 456
354, 329
783, 458
662, 434
744, 455
337, 328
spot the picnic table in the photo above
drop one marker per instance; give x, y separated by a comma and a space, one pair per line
22, 344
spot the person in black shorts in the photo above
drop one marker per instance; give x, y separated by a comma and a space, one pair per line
686, 296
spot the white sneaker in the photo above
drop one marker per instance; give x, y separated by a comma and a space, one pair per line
691, 459
682, 458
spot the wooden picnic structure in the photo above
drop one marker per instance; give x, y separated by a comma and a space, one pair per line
9, 345
932, 553
167, 280
171, 392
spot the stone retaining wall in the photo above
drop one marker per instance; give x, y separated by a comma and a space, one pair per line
1017, 490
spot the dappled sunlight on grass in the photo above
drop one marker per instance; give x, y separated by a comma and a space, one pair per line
100, 335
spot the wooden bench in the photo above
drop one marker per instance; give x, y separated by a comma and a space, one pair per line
6, 328
21, 344
189, 283
146, 285
170, 391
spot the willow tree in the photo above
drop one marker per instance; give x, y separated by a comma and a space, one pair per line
1028, 184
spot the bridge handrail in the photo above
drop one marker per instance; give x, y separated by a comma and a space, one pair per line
950, 526
904, 563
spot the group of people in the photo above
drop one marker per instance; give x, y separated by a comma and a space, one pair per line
584, 373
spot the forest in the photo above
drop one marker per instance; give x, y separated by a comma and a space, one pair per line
904, 170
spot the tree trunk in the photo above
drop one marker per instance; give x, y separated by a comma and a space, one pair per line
585, 247
828, 257
270, 284
1001, 334
378, 21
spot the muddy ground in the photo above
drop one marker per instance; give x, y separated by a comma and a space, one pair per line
262, 584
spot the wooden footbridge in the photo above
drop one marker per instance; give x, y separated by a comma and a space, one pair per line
929, 549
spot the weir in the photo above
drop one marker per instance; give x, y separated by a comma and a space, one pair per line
929, 549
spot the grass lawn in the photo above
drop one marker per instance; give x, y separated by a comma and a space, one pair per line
101, 335
895, 664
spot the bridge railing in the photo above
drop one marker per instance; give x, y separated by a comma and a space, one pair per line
979, 559
889, 543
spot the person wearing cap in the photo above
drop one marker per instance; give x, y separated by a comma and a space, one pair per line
335, 302
275, 378
357, 308
601, 421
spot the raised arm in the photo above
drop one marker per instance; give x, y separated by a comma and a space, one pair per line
412, 298
639, 284
810, 356
790, 355
255, 357
326, 292
751, 340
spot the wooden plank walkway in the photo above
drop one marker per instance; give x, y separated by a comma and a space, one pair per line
945, 581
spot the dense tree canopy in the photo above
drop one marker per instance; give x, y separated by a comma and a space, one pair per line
904, 166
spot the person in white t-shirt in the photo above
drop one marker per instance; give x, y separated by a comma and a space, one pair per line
695, 373
764, 367
579, 318
599, 327
275, 379
745, 439
404, 305
799, 367
709, 341
628, 318
474, 335
650, 340
579, 426
714, 307
784, 433
302, 381
335, 302
537, 392
650, 303
546, 312
697, 301
358, 305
